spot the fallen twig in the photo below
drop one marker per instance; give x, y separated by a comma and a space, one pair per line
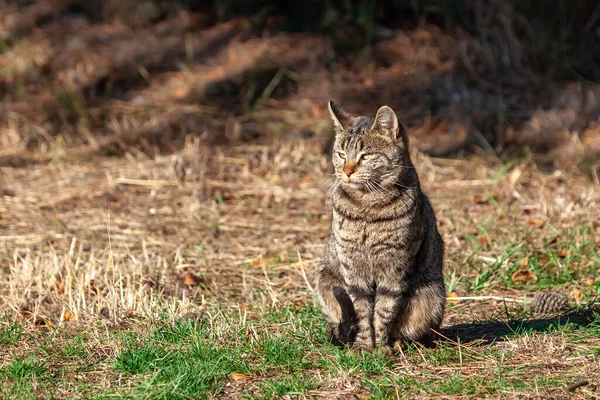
145, 182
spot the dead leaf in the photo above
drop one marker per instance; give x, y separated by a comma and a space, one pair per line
190, 279
523, 276
534, 223
479, 199
575, 294
450, 296
524, 263
70, 317
244, 306
240, 377
483, 242
362, 396
563, 252
298, 304
25, 313
36, 320
258, 261
588, 282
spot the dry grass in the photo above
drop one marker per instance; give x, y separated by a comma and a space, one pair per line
238, 205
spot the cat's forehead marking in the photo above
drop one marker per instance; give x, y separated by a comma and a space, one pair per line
353, 142
354, 135
359, 136
361, 126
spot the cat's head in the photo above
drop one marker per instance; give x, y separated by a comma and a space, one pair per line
369, 154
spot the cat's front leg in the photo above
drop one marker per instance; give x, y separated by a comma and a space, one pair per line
327, 280
388, 302
362, 298
336, 303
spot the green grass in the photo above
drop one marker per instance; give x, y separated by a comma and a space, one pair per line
11, 333
282, 351
23, 377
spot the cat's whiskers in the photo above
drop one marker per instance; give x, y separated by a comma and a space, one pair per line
370, 188
397, 183
327, 184
381, 189
374, 189
333, 186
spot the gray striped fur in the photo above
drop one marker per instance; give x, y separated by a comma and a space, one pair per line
381, 279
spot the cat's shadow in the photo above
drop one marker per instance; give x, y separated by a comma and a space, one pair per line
490, 331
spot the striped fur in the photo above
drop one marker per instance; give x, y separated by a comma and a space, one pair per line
381, 279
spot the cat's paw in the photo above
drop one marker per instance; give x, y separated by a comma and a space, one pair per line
363, 346
383, 340
399, 346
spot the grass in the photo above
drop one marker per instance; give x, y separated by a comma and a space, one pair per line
568, 259
287, 355
11, 333
24, 377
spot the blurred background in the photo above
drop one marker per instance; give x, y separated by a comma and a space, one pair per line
103, 78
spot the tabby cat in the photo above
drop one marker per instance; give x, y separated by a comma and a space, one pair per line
380, 282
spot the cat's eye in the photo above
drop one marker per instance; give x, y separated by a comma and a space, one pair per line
366, 156
342, 155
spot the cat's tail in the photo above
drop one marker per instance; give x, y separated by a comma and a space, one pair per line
348, 326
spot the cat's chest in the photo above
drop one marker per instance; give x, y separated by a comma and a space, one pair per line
365, 241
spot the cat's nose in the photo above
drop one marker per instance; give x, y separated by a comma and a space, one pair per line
349, 168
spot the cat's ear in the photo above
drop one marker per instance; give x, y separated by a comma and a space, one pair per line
386, 123
341, 119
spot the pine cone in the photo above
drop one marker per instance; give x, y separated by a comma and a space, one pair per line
547, 303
